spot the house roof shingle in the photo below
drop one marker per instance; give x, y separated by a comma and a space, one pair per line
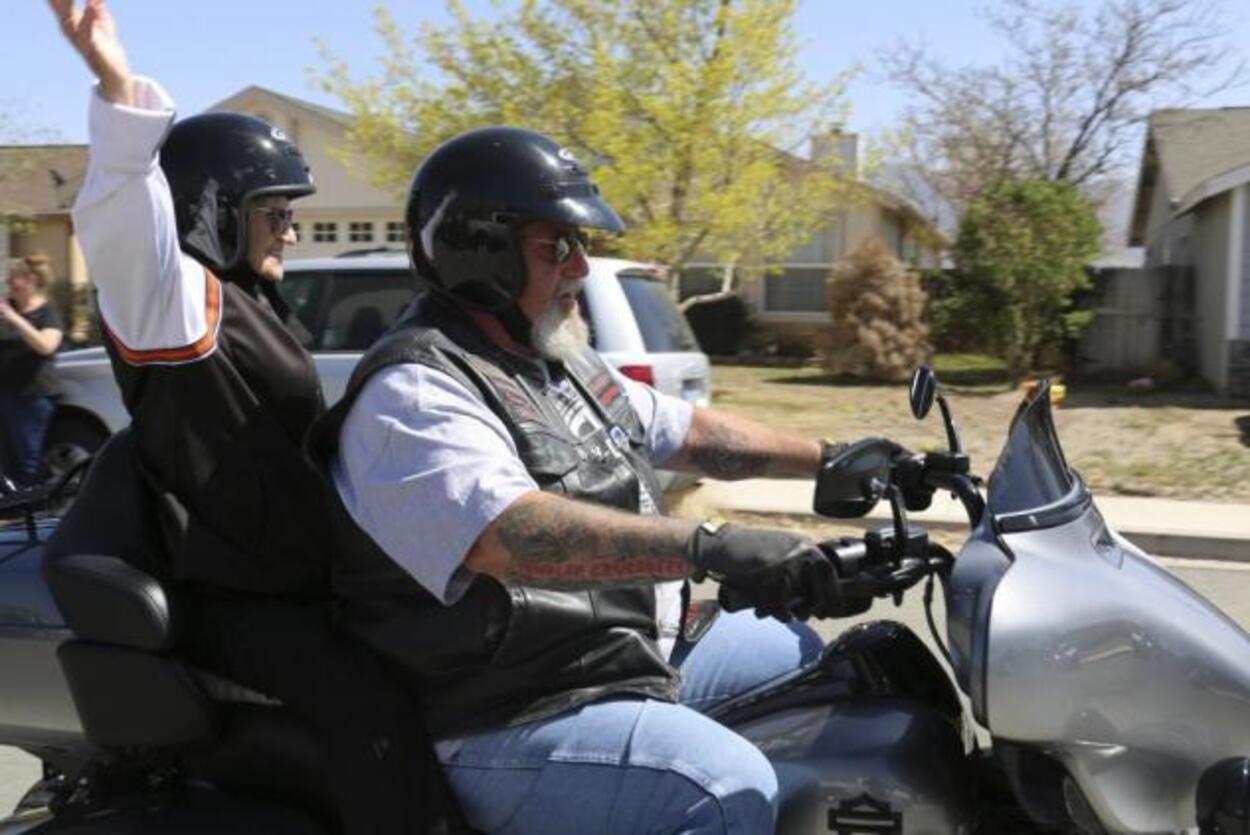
1199, 153
1196, 145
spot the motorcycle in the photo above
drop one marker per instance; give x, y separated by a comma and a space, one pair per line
1114, 697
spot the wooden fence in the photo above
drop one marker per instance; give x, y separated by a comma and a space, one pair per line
1140, 317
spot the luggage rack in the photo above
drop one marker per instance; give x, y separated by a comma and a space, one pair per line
25, 505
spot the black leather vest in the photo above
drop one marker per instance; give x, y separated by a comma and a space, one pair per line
219, 438
506, 654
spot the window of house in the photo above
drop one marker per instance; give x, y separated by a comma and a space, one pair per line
821, 248
893, 233
700, 279
360, 232
299, 233
394, 231
797, 289
325, 232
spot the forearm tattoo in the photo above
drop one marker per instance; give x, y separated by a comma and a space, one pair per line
565, 546
724, 452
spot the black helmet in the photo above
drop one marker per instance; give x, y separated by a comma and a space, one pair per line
216, 164
469, 196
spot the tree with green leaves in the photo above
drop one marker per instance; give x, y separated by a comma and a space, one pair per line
684, 109
1021, 255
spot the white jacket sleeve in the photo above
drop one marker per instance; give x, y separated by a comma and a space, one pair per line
158, 304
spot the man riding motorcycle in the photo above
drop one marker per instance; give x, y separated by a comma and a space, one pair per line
514, 561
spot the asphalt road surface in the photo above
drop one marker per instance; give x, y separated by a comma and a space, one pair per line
1225, 584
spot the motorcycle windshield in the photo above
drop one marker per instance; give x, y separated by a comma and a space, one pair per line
1031, 472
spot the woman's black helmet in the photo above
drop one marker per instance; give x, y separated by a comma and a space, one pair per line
216, 165
468, 198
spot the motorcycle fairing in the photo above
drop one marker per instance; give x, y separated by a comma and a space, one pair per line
1126, 675
1094, 654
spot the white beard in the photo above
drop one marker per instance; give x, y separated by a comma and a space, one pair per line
556, 336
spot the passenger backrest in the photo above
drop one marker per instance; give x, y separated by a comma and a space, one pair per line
112, 513
103, 566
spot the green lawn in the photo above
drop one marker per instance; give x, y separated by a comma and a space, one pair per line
1185, 446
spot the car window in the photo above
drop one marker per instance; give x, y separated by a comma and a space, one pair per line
303, 291
663, 326
361, 306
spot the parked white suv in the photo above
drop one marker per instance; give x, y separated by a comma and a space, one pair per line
346, 303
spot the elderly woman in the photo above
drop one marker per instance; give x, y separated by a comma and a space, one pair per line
30, 336
184, 227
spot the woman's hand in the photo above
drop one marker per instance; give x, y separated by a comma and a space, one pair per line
93, 33
42, 342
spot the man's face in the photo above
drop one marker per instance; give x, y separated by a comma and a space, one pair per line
549, 299
268, 232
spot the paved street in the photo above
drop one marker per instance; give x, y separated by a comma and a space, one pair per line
1226, 584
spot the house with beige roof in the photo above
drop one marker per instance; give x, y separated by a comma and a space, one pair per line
1192, 214
349, 213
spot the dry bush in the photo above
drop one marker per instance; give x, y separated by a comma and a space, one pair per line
876, 303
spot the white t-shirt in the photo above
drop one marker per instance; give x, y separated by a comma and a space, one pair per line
424, 466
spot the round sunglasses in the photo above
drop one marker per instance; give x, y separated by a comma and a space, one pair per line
280, 220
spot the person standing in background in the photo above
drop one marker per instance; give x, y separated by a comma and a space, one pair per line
32, 333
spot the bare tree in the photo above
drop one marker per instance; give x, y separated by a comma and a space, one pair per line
1068, 102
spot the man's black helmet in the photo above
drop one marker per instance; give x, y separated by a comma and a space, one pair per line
216, 164
468, 198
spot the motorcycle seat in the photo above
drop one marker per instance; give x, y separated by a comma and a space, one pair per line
135, 697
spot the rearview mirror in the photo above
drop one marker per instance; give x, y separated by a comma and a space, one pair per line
1223, 797
922, 390
850, 484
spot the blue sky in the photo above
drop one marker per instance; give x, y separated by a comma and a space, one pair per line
206, 50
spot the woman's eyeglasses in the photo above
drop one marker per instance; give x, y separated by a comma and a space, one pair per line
565, 246
280, 220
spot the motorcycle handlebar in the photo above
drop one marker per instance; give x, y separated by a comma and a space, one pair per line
863, 572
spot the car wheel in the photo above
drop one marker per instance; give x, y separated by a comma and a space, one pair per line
71, 440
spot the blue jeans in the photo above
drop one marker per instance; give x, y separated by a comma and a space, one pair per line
24, 422
638, 766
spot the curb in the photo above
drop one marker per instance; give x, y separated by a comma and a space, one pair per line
1220, 542
1155, 543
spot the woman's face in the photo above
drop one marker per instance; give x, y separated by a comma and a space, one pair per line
21, 286
269, 231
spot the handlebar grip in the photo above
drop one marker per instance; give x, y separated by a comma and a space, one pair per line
847, 555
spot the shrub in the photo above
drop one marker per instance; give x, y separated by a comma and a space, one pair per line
1021, 253
877, 306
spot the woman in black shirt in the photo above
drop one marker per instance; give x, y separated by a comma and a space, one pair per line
30, 332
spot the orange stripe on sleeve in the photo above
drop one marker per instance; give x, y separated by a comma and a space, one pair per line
198, 349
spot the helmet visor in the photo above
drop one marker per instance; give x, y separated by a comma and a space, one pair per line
587, 210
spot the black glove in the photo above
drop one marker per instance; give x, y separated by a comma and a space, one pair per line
778, 574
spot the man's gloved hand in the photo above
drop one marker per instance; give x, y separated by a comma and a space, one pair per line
778, 574
836, 493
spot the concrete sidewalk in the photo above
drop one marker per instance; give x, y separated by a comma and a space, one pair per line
1168, 527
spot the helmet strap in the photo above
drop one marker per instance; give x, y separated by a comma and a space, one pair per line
516, 323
